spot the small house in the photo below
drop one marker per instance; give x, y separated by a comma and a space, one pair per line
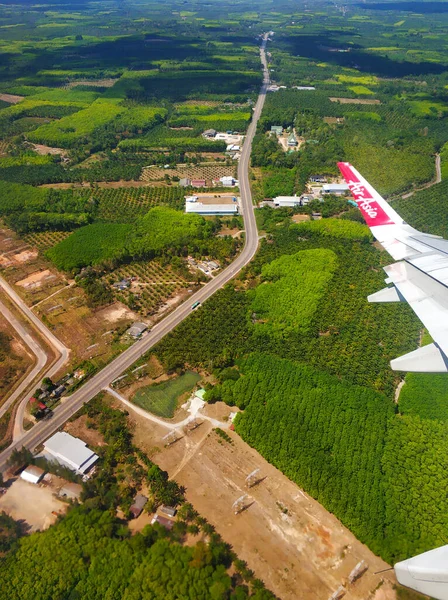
138, 505
58, 391
209, 133
169, 511
167, 523
32, 474
137, 330
184, 182
277, 129
292, 141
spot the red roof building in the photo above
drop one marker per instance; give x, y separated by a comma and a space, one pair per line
198, 183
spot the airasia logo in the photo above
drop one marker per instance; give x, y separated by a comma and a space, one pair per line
363, 198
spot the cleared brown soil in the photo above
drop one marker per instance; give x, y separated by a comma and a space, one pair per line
289, 540
35, 504
11, 98
356, 100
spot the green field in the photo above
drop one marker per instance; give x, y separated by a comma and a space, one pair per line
161, 399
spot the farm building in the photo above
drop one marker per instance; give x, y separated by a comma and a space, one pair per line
184, 182
277, 129
198, 183
32, 474
138, 505
308, 88
211, 209
228, 181
284, 201
318, 179
335, 188
70, 452
71, 491
137, 329
209, 133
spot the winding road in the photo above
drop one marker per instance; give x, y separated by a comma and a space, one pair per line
68, 407
61, 351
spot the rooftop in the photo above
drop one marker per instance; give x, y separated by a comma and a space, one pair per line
71, 451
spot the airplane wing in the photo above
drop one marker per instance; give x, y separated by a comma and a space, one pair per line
419, 277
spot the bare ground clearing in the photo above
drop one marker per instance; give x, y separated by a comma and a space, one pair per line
11, 98
44, 150
35, 504
356, 100
289, 540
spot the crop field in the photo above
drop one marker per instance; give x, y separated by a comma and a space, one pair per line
153, 284
209, 172
161, 399
126, 204
70, 129
45, 239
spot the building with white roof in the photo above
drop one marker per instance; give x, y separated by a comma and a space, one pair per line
70, 452
335, 188
32, 474
289, 201
211, 209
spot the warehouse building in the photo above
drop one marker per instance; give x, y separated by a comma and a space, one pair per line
70, 452
287, 201
335, 188
211, 209
32, 474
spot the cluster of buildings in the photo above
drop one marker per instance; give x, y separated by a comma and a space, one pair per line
292, 141
67, 451
317, 193
226, 181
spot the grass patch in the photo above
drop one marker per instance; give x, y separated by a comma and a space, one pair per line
359, 80
161, 399
360, 90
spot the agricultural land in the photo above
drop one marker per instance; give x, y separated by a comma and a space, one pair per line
110, 115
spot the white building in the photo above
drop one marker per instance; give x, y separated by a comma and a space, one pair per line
335, 188
70, 452
32, 474
289, 201
228, 181
211, 209
191, 199
307, 88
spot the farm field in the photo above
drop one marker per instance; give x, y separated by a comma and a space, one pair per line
152, 285
289, 540
162, 399
209, 172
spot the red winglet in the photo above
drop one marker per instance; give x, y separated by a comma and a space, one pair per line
371, 210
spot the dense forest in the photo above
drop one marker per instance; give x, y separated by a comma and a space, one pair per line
340, 438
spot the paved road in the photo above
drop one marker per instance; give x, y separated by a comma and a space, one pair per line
61, 351
36, 349
41, 431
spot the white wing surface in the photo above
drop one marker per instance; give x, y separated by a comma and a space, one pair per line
419, 277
